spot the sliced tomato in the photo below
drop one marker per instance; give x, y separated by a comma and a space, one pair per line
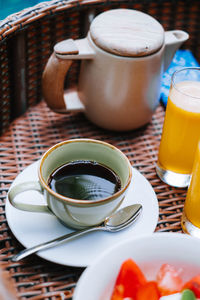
129, 279
168, 280
118, 292
194, 285
148, 291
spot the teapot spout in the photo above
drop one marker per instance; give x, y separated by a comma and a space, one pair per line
173, 40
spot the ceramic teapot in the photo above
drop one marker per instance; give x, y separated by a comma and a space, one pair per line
123, 59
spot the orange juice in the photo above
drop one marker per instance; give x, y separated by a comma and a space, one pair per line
181, 130
192, 202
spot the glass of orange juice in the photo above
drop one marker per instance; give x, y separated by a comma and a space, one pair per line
181, 128
191, 215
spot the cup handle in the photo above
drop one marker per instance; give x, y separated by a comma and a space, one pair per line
27, 186
55, 72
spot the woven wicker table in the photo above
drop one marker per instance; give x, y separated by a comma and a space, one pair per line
26, 140
29, 127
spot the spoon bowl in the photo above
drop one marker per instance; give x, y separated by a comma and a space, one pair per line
115, 222
122, 218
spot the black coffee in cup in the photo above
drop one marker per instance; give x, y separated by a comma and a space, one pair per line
84, 180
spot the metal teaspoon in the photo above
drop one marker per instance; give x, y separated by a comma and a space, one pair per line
115, 222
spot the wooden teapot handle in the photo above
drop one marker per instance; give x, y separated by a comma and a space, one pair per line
56, 69
53, 82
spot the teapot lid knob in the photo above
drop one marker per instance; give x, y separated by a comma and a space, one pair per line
127, 32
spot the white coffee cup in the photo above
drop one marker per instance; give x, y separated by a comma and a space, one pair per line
76, 213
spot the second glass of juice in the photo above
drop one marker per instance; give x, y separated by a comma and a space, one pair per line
191, 215
181, 129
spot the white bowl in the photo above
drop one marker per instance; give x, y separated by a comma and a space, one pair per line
149, 252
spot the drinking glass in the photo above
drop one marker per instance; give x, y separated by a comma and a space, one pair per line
181, 129
191, 215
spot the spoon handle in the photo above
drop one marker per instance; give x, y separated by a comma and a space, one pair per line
57, 241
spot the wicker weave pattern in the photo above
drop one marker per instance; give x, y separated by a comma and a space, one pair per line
26, 41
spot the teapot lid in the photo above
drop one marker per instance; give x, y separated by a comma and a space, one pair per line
127, 32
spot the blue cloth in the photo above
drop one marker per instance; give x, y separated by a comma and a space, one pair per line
182, 58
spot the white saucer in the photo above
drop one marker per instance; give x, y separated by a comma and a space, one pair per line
34, 228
